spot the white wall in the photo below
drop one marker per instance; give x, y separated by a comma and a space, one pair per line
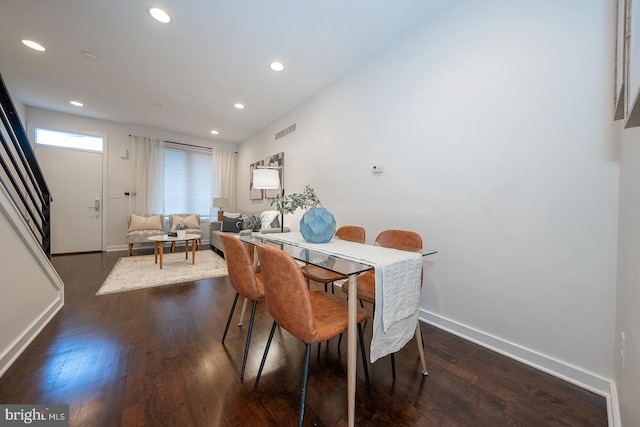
493, 125
628, 297
118, 169
32, 292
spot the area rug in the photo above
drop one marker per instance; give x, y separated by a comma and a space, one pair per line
138, 272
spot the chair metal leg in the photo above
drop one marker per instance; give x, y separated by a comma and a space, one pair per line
307, 353
246, 346
264, 357
393, 366
233, 307
364, 356
244, 308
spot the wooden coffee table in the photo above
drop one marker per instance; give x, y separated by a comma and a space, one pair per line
159, 241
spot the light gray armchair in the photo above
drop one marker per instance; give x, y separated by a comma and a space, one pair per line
192, 221
143, 226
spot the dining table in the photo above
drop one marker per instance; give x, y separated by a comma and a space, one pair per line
338, 257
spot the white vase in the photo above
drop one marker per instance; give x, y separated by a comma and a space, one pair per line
181, 234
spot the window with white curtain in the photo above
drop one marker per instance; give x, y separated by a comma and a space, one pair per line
187, 180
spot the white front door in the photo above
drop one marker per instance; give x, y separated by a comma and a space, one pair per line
74, 178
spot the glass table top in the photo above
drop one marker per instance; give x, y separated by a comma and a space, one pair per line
334, 263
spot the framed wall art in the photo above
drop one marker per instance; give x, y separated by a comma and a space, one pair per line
254, 193
275, 160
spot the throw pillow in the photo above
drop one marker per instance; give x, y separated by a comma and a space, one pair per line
232, 214
138, 222
267, 218
191, 221
231, 225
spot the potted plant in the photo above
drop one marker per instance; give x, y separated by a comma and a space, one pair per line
317, 225
181, 229
254, 223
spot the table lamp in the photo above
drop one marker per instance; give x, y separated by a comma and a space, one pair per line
268, 178
221, 203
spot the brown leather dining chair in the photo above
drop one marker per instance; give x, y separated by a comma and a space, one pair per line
352, 233
246, 283
311, 316
366, 283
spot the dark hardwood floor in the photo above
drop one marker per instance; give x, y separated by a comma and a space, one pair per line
153, 357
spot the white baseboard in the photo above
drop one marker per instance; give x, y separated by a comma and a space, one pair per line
613, 406
559, 369
29, 334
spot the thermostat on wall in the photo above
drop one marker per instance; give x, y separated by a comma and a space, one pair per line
376, 168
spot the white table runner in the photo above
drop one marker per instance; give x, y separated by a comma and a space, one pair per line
398, 275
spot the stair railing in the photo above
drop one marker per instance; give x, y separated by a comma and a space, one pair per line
21, 175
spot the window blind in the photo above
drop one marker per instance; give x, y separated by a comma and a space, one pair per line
187, 180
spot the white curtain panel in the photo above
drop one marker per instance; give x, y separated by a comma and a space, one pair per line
147, 175
223, 177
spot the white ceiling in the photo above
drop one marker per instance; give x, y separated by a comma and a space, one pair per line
186, 76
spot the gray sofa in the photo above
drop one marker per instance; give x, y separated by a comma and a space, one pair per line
217, 226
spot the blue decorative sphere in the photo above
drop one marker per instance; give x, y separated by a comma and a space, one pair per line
318, 225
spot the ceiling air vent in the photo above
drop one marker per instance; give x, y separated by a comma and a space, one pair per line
285, 132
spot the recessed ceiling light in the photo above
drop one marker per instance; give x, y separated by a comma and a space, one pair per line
276, 66
76, 103
33, 45
159, 15
214, 132
239, 106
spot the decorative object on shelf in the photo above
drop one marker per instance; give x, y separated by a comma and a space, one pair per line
221, 203
181, 229
255, 193
317, 225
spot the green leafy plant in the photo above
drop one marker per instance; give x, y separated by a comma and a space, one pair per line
181, 227
289, 203
254, 223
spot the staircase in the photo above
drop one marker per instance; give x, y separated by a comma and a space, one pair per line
32, 291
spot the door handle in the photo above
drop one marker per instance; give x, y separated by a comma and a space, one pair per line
96, 204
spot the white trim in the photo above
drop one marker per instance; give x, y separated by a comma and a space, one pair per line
10, 211
15, 219
613, 406
29, 334
572, 374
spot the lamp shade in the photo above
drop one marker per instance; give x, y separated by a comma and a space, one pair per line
220, 202
266, 179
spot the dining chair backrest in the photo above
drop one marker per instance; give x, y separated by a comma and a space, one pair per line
352, 233
240, 268
399, 239
286, 293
